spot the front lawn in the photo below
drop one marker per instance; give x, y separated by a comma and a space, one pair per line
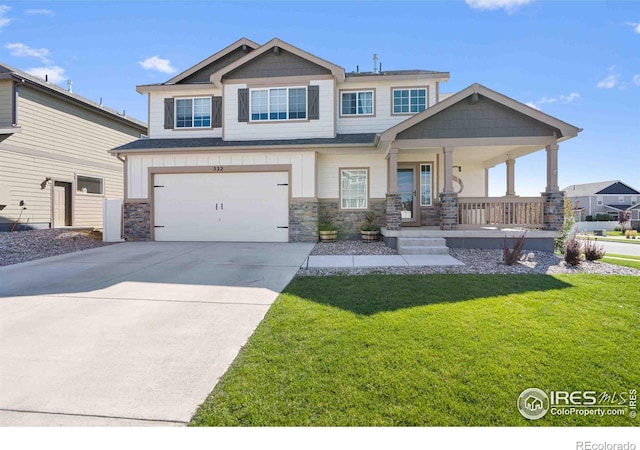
431, 350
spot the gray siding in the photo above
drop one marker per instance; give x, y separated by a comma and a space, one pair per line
485, 118
283, 64
202, 75
59, 140
6, 103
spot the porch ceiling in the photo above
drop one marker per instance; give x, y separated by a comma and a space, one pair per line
489, 155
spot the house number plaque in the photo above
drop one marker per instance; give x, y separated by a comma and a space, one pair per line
218, 168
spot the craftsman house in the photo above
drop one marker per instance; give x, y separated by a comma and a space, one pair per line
604, 197
257, 141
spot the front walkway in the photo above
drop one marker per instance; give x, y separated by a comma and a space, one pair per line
339, 261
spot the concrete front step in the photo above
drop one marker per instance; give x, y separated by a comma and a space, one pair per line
422, 246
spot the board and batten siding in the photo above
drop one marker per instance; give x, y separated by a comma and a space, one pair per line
302, 168
59, 140
156, 115
382, 119
329, 166
324, 127
6, 103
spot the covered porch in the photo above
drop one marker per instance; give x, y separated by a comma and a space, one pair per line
438, 165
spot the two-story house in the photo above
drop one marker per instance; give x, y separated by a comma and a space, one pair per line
55, 169
604, 197
257, 141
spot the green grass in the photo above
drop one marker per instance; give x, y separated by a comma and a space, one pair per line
633, 263
604, 239
432, 350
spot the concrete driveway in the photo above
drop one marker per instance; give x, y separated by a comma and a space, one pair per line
131, 334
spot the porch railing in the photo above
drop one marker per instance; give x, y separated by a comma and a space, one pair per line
512, 211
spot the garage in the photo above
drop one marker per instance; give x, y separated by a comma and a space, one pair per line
232, 207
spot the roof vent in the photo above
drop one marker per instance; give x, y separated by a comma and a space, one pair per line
375, 63
70, 86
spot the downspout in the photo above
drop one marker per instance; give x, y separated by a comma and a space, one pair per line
124, 162
14, 106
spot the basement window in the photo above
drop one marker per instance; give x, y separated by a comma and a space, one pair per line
89, 185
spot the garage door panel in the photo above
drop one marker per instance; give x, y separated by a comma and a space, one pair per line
222, 207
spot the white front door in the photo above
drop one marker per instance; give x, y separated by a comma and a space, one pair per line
249, 207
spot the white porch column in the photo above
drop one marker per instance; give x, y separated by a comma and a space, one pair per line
511, 170
448, 169
392, 171
552, 168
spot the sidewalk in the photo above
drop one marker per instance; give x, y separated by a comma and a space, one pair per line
345, 261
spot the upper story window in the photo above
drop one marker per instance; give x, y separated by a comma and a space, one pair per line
356, 103
634, 200
193, 112
278, 104
599, 200
409, 101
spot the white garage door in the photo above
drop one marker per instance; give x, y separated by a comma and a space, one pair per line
249, 207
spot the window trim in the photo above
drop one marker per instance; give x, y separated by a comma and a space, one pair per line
368, 193
405, 88
599, 200
79, 191
192, 98
351, 91
428, 163
287, 120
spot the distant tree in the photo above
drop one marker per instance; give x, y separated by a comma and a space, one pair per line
623, 218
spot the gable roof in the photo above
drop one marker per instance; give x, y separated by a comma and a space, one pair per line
336, 70
564, 129
618, 188
8, 72
242, 42
612, 187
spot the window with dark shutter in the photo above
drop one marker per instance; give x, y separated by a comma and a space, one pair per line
168, 113
216, 112
313, 92
243, 105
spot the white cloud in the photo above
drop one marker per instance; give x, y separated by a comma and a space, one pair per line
157, 63
562, 99
55, 73
4, 20
508, 5
636, 79
610, 80
40, 12
635, 25
20, 49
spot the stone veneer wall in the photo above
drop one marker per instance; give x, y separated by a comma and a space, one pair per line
393, 211
350, 221
303, 221
137, 221
553, 210
448, 211
430, 216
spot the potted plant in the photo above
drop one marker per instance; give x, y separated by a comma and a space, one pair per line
327, 230
369, 231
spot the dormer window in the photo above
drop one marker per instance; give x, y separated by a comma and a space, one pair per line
278, 104
193, 112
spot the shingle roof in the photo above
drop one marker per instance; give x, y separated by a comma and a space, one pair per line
207, 142
396, 72
587, 189
619, 207
69, 96
618, 188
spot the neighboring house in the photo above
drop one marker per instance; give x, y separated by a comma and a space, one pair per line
257, 141
604, 197
55, 169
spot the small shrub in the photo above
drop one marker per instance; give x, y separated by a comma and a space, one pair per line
572, 250
593, 251
589, 219
630, 234
617, 229
325, 222
569, 221
510, 257
369, 222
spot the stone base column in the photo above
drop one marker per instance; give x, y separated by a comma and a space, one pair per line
393, 217
137, 221
553, 210
303, 220
448, 211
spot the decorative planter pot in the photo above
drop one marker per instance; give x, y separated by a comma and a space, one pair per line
328, 236
369, 236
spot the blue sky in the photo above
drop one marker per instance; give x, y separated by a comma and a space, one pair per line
578, 61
